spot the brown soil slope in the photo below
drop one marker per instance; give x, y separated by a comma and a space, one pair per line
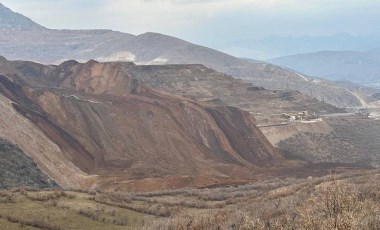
108, 128
202, 84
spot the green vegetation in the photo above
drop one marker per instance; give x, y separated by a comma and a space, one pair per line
56, 210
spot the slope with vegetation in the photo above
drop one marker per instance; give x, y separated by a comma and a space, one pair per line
347, 201
353, 141
18, 169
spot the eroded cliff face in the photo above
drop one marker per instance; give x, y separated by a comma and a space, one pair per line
109, 130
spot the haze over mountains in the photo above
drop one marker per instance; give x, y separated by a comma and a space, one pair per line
101, 129
355, 66
86, 108
275, 46
55, 46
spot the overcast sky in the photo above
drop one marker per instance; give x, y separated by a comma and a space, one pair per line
208, 22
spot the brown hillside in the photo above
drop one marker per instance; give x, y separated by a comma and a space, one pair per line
203, 84
108, 128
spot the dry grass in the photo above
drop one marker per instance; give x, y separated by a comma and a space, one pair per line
64, 210
328, 203
351, 141
347, 201
6, 197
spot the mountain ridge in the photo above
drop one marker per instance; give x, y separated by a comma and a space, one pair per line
15, 21
55, 46
274, 46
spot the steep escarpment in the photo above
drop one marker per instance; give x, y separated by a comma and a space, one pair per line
242, 134
113, 131
276, 134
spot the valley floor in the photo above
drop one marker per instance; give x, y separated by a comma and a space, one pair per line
346, 201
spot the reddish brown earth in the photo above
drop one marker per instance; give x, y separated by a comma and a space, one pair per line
100, 127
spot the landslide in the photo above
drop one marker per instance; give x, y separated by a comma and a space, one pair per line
203, 84
117, 132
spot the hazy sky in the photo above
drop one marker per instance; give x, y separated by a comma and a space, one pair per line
208, 22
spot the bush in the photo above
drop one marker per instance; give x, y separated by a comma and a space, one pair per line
320, 204
34, 223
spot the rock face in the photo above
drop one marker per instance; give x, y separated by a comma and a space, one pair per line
17, 169
109, 130
55, 46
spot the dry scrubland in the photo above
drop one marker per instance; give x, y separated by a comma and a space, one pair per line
349, 201
354, 141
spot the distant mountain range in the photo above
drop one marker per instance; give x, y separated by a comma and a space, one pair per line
359, 67
277, 46
23, 39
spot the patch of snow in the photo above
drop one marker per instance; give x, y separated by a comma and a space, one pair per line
312, 121
156, 61
118, 56
303, 77
75, 97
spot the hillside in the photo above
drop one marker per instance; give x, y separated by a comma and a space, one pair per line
353, 141
93, 124
17, 169
10, 20
55, 46
206, 85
